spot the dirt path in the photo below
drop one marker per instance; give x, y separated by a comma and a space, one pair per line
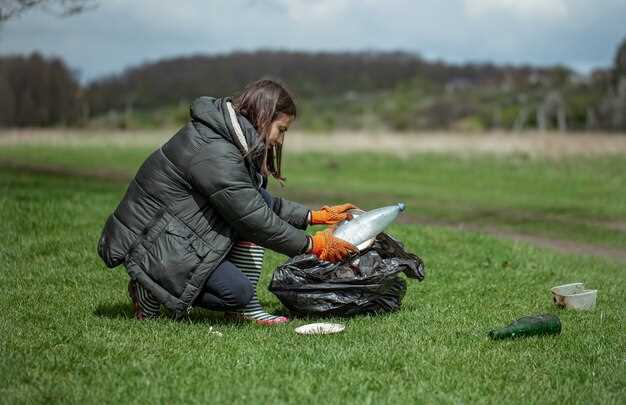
560, 245
553, 145
60, 170
402, 144
563, 246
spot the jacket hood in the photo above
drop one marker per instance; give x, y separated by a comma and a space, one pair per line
218, 115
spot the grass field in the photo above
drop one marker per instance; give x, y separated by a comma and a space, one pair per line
575, 198
68, 334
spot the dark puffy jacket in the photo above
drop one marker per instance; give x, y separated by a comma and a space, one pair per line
190, 200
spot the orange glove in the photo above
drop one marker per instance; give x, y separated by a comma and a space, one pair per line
331, 215
329, 248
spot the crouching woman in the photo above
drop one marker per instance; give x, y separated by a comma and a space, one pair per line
193, 224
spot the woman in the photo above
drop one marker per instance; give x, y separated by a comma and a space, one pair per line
192, 225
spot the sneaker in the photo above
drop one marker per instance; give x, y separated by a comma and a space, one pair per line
145, 305
239, 317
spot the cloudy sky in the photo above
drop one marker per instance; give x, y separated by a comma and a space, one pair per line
119, 33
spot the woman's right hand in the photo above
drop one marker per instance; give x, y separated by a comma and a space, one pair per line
329, 248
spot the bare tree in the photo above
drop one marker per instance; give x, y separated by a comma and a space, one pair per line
13, 8
553, 106
619, 69
37, 91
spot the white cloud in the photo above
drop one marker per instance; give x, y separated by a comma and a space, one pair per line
311, 11
323, 10
545, 9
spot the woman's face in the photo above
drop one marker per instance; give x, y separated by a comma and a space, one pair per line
279, 126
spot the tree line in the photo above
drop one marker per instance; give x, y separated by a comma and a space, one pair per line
308, 75
36, 91
391, 89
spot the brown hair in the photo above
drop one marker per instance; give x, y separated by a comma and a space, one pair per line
261, 102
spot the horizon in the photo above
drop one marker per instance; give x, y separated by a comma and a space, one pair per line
165, 58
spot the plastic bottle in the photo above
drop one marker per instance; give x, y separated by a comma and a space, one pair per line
368, 224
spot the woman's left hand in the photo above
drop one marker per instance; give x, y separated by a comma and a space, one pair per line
331, 215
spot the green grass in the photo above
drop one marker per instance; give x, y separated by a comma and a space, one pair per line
572, 198
581, 199
67, 333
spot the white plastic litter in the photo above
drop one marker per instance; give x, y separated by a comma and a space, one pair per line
320, 328
574, 296
215, 332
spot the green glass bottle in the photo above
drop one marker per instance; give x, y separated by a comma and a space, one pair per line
529, 326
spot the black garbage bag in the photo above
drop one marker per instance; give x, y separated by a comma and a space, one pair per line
369, 283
